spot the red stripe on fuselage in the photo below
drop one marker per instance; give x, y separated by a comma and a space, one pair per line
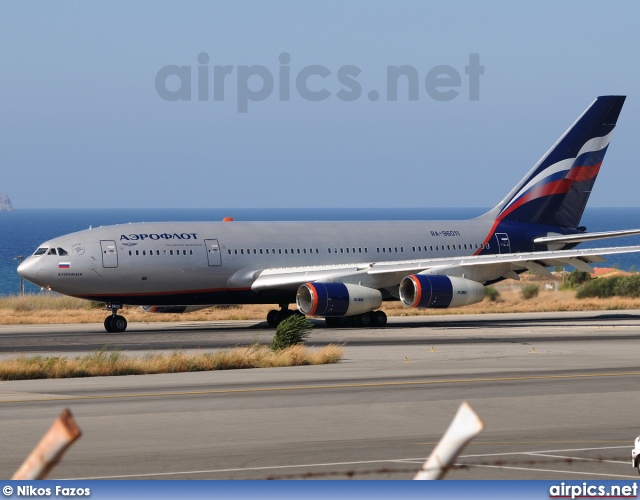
180, 292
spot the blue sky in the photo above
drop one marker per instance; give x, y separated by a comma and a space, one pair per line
83, 126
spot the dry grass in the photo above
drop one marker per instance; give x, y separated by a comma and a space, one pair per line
104, 363
50, 308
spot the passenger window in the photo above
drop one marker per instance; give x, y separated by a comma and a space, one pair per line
130, 253
137, 252
170, 252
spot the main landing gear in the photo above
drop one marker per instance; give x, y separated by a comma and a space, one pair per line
115, 323
366, 320
275, 317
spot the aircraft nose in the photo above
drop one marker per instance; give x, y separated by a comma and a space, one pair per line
28, 269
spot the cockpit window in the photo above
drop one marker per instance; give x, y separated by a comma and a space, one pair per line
62, 251
41, 251
52, 251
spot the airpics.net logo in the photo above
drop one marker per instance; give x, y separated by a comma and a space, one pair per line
208, 81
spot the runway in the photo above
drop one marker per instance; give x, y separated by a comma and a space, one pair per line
558, 393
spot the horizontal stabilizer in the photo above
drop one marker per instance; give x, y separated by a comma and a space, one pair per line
578, 238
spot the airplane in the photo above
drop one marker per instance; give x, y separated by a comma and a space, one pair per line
344, 270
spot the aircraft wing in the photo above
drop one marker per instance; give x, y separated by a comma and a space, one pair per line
385, 274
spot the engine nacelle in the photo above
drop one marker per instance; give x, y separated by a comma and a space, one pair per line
172, 309
423, 290
336, 299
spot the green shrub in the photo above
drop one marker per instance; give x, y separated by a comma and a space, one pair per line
577, 278
628, 286
599, 287
491, 293
529, 291
291, 331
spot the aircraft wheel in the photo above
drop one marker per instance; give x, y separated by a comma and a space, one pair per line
379, 318
344, 321
118, 324
365, 320
330, 321
272, 318
107, 324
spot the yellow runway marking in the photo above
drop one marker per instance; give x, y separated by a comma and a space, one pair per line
330, 386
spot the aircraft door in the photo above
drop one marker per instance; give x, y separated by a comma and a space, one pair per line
109, 253
504, 246
213, 252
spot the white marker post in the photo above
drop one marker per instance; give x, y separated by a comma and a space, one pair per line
50, 449
465, 426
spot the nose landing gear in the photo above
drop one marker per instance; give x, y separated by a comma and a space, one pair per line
115, 323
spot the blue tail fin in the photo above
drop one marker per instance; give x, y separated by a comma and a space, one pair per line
557, 189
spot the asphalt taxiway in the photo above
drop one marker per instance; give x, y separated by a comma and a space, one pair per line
559, 395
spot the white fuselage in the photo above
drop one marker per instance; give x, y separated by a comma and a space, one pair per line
217, 262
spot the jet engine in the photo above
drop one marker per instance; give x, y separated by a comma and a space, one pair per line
423, 290
336, 299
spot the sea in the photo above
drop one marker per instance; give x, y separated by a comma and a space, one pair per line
22, 230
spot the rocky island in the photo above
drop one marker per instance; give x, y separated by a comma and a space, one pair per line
5, 203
